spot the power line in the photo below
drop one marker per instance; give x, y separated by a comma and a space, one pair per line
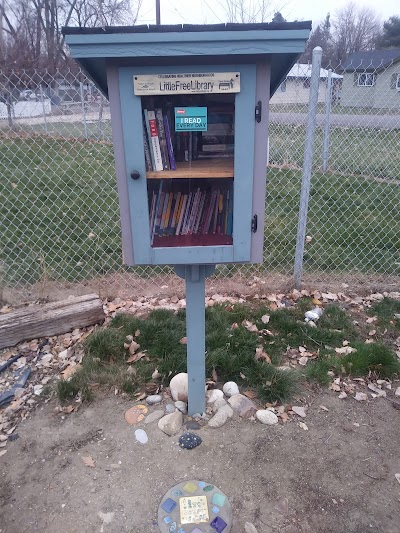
212, 11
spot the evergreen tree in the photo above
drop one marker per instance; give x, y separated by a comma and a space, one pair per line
391, 33
278, 17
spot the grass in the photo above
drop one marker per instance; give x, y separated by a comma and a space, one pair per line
337, 109
230, 351
59, 212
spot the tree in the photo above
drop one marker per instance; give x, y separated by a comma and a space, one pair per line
354, 29
391, 33
320, 36
248, 10
278, 17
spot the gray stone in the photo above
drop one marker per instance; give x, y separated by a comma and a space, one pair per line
266, 417
179, 387
153, 399
171, 424
230, 388
192, 424
242, 405
170, 408
154, 416
221, 416
181, 406
214, 395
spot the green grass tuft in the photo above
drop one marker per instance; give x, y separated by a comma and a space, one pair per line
106, 344
376, 358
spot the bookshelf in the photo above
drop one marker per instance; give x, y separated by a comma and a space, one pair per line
200, 168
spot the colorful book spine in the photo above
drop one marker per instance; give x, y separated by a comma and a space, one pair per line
157, 212
150, 144
162, 138
182, 214
175, 213
155, 141
187, 214
147, 154
169, 143
168, 214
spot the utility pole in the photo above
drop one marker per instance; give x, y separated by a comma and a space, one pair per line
158, 13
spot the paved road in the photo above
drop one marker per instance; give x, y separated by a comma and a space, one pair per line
385, 122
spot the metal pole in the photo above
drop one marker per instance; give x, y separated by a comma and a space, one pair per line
158, 13
44, 109
307, 165
83, 110
328, 108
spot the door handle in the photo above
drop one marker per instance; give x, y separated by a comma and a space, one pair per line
135, 174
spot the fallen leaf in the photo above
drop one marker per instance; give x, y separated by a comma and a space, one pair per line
323, 408
372, 319
335, 387
183, 340
214, 375
303, 426
242, 375
68, 372
88, 461
137, 333
11, 430
68, 409
342, 395
156, 374
303, 361
140, 395
265, 319
250, 326
251, 394
235, 325
302, 349
397, 476
3, 452
361, 397
345, 350
284, 417
133, 347
260, 354
315, 301
250, 528
299, 410
135, 357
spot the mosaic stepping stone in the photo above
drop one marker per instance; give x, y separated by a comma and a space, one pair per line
194, 507
188, 441
135, 414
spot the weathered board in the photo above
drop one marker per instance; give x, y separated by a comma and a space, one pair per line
50, 319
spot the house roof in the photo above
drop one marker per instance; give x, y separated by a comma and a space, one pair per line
303, 70
189, 44
370, 60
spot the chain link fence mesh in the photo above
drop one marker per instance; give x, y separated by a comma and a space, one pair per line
59, 207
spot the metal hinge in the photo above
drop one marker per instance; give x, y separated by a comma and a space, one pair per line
258, 111
254, 223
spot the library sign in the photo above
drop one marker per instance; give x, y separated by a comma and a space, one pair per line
190, 119
192, 83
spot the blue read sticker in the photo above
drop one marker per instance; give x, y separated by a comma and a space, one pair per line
191, 119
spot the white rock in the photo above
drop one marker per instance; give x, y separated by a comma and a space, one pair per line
250, 528
141, 436
397, 393
38, 389
218, 404
221, 416
179, 387
299, 411
266, 417
342, 395
171, 424
214, 395
153, 399
154, 416
169, 408
181, 406
361, 397
230, 388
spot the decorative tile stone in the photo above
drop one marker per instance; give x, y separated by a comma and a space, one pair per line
167, 519
190, 487
177, 493
218, 499
209, 488
168, 505
188, 441
181, 530
218, 524
202, 484
172, 528
215, 510
197, 530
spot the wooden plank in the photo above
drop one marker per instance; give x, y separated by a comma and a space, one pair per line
50, 319
200, 168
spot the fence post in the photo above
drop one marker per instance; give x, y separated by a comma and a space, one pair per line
307, 165
83, 109
44, 109
327, 129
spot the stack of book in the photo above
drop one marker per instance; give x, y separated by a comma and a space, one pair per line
218, 140
205, 210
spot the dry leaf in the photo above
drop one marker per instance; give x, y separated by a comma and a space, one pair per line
135, 357
323, 408
372, 332
183, 340
284, 417
372, 319
250, 326
156, 374
342, 395
303, 361
335, 387
303, 426
68, 409
345, 350
302, 349
3, 452
315, 301
260, 354
242, 375
137, 333
69, 371
265, 319
133, 347
88, 461
397, 476
250, 394
235, 325
214, 375
140, 396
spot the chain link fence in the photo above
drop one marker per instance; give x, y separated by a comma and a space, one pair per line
59, 215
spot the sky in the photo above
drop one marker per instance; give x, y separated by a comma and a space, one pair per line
210, 11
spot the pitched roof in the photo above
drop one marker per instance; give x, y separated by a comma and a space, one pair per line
370, 60
303, 70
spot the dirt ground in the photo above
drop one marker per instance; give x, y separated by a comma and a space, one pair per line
339, 476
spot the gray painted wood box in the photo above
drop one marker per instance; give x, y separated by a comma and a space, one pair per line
189, 110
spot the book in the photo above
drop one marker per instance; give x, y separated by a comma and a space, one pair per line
162, 138
175, 213
152, 210
168, 213
218, 147
147, 154
155, 141
193, 213
169, 143
150, 144
200, 212
157, 212
182, 214
187, 213
164, 213
213, 227
210, 212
